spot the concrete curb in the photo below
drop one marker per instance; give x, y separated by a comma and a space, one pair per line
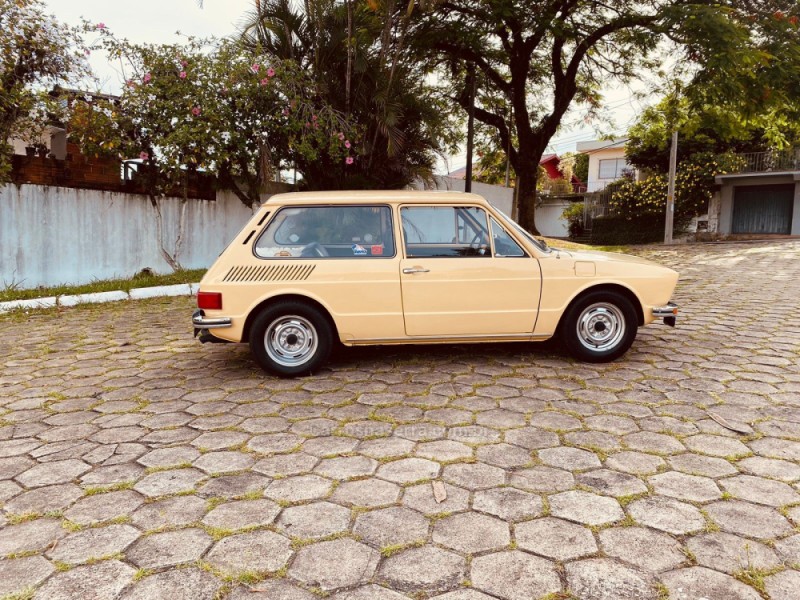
182, 289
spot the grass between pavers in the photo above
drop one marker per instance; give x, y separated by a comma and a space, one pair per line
13, 291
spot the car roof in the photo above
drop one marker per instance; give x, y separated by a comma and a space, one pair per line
383, 196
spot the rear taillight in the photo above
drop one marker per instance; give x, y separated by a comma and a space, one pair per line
209, 300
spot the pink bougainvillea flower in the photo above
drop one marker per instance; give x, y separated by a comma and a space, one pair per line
131, 83
196, 111
255, 67
264, 81
349, 160
101, 25
182, 74
308, 124
184, 63
347, 143
144, 155
147, 77
314, 117
270, 72
341, 136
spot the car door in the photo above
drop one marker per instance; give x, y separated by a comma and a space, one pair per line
461, 278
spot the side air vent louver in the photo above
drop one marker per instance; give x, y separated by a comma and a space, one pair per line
270, 273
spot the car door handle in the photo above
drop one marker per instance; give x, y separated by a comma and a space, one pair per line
415, 270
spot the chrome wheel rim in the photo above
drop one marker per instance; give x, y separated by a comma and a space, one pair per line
291, 340
601, 327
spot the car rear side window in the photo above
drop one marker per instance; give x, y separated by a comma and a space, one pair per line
328, 232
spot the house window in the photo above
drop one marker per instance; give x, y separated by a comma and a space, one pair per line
613, 168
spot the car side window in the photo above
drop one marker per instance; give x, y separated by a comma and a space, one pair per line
328, 232
445, 231
504, 244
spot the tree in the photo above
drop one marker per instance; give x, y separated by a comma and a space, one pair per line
542, 60
357, 54
36, 52
213, 107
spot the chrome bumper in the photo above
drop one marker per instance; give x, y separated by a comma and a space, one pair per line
669, 313
200, 322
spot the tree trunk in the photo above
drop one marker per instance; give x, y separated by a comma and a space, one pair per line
525, 197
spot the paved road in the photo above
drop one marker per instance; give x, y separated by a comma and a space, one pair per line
136, 463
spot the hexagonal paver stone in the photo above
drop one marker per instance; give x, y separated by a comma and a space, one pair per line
555, 420
93, 543
505, 456
685, 487
783, 585
465, 594
643, 548
169, 549
45, 499
425, 569
657, 443
254, 551
242, 513
335, 564
275, 443
606, 579
367, 492
233, 486
164, 483
369, 592
315, 520
104, 507
392, 526
474, 434
571, 459
697, 464
476, 476
50, 473
169, 457
346, 467
771, 467
611, 424
178, 584
612, 483
170, 512
444, 450
667, 515
470, 533
635, 463
699, 582
105, 579
299, 488
543, 479
271, 589
508, 503
729, 553
329, 446
223, 462
408, 470
17, 447
747, 519
532, 438
514, 575
760, 490
789, 549
286, 464
586, 508
20, 573
716, 445
220, 440
386, 447
554, 538
420, 497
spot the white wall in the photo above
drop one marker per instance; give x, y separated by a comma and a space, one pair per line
54, 235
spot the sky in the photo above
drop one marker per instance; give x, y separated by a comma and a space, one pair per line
157, 21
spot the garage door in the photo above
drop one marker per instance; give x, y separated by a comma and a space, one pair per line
763, 209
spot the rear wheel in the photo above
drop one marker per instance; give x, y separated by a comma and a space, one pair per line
291, 338
599, 327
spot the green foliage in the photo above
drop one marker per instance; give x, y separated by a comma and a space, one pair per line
36, 52
573, 215
616, 230
214, 106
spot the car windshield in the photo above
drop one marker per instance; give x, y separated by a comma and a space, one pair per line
540, 244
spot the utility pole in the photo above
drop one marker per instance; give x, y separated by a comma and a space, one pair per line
470, 126
673, 167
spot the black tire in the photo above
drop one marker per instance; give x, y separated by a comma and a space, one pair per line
291, 338
599, 327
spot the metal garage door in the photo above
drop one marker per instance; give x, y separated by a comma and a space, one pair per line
763, 209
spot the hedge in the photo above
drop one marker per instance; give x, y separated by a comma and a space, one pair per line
621, 230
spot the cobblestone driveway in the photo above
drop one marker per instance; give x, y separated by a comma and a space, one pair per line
136, 463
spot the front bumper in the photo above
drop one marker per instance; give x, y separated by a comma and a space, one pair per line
202, 325
669, 313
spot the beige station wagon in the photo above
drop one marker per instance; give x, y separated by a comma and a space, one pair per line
416, 268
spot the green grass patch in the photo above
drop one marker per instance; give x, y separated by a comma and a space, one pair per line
14, 292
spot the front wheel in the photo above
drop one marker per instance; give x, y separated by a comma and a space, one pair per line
599, 327
291, 338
